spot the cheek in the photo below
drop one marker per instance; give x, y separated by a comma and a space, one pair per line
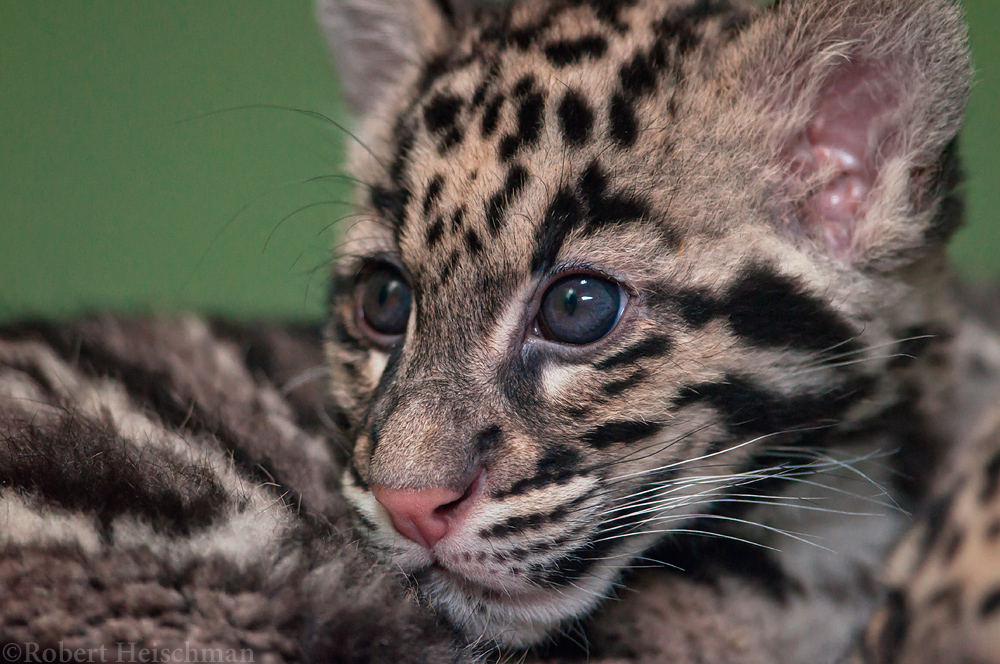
557, 380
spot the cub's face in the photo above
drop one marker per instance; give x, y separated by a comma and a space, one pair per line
614, 263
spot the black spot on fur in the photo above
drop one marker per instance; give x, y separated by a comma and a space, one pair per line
390, 204
473, 243
491, 114
760, 297
677, 30
557, 465
405, 138
647, 348
990, 605
605, 207
616, 387
457, 219
530, 115
702, 10
441, 112
154, 388
570, 51
609, 11
340, 285
449, 266
750, 410
496, 206
637, 76
433, 193
623, 125
441, 117
696, 309
479, 95
435, 232
514, 524
894, 629
524, 85
575, 118
624, 432
525, 36
562, 216
435, 68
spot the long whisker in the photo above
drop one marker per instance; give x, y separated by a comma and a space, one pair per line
316, 115
299, 210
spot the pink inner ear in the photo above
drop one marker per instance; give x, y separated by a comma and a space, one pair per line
839, 144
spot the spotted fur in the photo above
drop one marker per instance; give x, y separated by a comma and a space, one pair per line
942, 580
766, 343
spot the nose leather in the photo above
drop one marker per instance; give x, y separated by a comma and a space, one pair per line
421, 515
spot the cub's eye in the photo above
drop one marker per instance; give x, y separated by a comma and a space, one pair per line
384, 300
580, 309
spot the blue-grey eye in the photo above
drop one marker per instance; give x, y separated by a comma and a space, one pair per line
579, 309
385, 300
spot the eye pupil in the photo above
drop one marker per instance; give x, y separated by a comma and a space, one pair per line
385, 301
579, 310
570, 302
388, 290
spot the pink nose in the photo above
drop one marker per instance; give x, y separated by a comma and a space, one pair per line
424, 515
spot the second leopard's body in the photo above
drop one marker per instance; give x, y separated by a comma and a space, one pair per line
631, 279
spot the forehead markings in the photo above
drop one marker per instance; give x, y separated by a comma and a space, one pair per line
576, 118
530, 119
497, 205
441, 117
565, 52
590, 206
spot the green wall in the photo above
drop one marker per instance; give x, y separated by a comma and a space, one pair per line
116, 192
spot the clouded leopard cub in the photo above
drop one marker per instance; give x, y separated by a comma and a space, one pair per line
640, 280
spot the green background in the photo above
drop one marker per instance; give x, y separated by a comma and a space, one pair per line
116, 192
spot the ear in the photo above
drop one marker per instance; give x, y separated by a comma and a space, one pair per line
863, 100
375, 43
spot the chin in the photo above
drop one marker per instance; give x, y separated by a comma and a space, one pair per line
516, 618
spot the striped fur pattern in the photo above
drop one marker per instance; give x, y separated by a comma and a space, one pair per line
170, 485
770, 333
